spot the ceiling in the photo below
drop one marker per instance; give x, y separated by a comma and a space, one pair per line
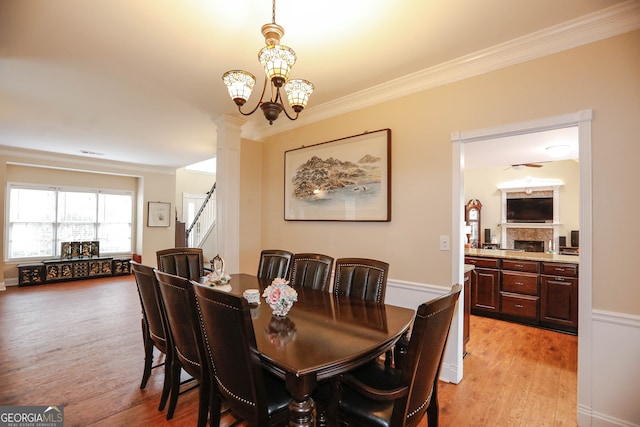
522, 149
140, 81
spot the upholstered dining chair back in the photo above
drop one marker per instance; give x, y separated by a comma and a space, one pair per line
255, 396
184, 325
362, 278
401, 397
183, 262
311, 271
274, 263
155, 331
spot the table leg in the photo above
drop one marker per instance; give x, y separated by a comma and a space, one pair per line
301, 405
301, 413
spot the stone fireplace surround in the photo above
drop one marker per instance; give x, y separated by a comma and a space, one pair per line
528, 234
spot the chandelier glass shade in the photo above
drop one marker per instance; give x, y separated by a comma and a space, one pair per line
277, 61
240, 84
298, 92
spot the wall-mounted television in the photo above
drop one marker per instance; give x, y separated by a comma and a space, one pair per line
530, 209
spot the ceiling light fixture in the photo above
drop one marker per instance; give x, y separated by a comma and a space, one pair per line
277, 61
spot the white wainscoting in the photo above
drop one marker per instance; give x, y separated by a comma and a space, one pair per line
411, 295
615, 380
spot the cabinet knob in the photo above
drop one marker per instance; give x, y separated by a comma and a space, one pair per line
519, 306
519, 283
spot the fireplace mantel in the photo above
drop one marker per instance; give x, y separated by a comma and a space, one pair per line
530, 187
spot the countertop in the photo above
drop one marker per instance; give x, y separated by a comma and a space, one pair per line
468, 267
530, 256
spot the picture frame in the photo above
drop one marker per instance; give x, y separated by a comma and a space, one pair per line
347, 179
159, 214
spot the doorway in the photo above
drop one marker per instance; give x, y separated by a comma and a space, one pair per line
582, 120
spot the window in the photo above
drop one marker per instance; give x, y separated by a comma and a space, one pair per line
41, 218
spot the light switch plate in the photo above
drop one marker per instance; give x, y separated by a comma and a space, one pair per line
444, 243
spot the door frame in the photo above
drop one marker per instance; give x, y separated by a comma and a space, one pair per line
582, 119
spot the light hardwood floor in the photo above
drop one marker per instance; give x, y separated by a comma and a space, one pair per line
78, 344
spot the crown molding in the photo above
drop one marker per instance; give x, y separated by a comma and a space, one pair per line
26, 157
609, 22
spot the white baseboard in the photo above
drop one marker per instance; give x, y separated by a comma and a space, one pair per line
11, 282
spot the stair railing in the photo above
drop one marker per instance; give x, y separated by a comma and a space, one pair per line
203, 220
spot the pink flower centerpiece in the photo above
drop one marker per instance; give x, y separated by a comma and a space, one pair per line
280, 296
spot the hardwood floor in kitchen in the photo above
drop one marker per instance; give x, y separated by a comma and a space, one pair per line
78, 345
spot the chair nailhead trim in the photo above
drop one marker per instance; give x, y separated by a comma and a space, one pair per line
206, 339
415, 411
187, 359
241, 399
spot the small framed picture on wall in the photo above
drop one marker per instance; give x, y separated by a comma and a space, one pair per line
159, 214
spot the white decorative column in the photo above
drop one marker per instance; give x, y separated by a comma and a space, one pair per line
228, 190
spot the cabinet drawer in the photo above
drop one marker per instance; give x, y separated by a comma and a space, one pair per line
523, 306
559, 269
521, 283
517, 265
483, 262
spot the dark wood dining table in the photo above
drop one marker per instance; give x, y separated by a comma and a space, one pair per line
322, 336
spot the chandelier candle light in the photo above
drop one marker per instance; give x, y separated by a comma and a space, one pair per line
277, 61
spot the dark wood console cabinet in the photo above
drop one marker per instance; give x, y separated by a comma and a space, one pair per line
537, 293
51, 271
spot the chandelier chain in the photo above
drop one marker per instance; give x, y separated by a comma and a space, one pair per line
273, 12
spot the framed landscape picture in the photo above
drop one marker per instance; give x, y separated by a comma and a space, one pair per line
347, 179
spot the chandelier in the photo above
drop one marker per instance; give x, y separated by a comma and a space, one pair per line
277, 61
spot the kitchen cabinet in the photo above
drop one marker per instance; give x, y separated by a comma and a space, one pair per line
485, 285
530, 288
519, 297
559, 297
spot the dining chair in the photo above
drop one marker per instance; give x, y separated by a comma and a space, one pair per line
155, 330
311, 271
383, 396
362, 278
274, 263
184, 325
253, 394
183, 262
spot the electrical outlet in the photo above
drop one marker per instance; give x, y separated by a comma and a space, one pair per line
444, 243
